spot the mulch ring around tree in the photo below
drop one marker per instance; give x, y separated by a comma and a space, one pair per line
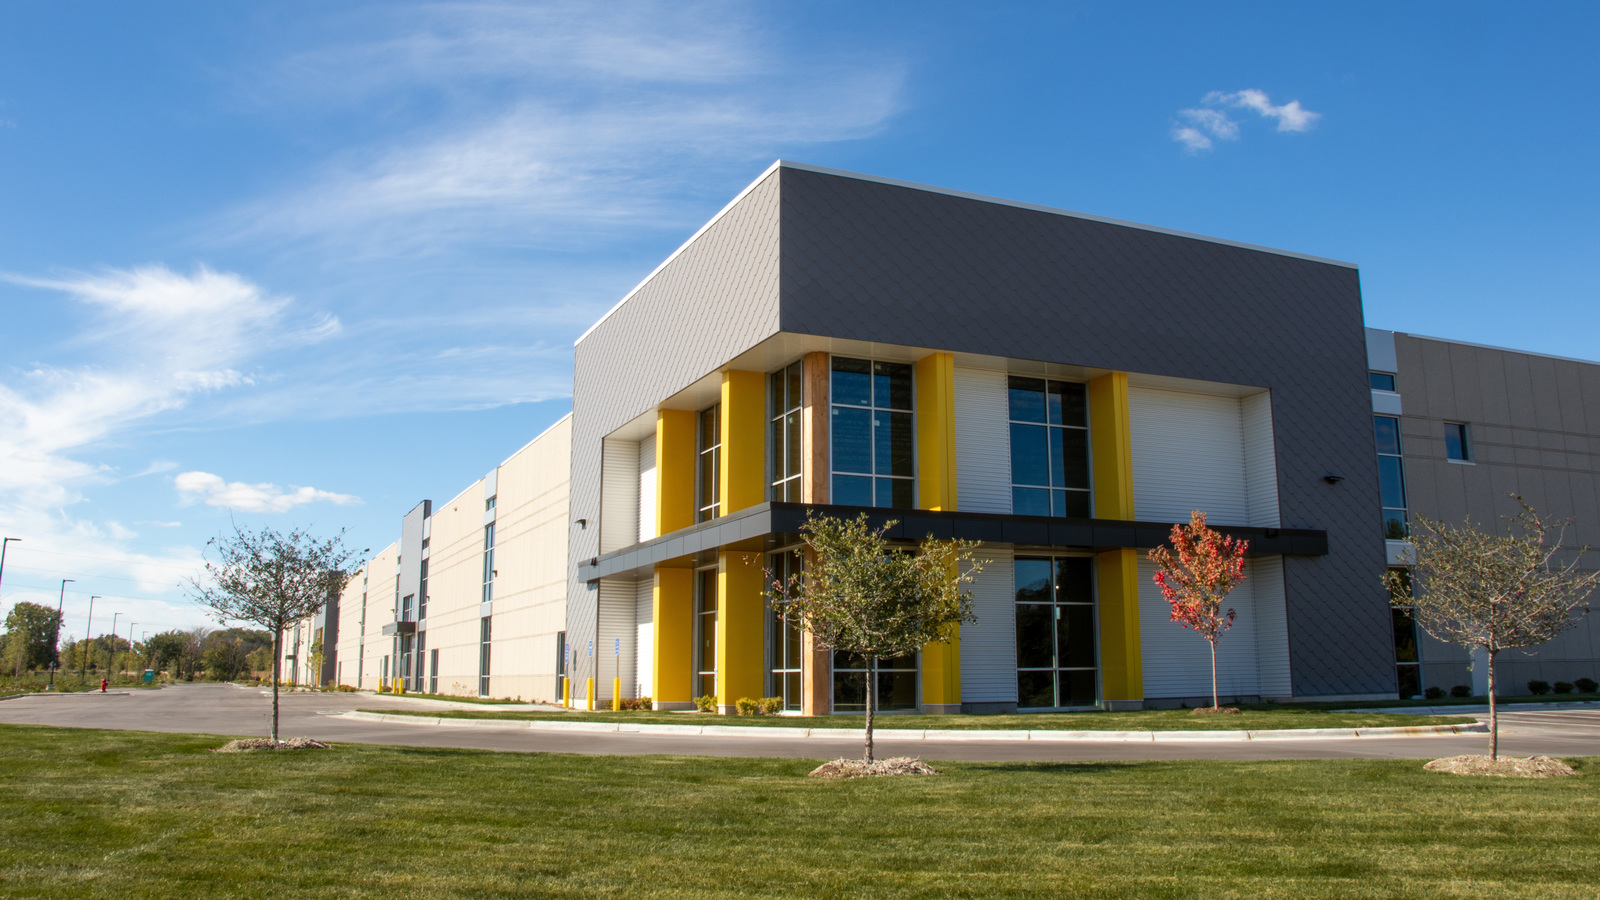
1504, 767
855, 768
250, 745
1214, 711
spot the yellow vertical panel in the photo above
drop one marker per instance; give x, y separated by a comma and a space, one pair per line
744, 431
1112, 444
741, 628
1121, 662
675, 453
936, 432
672, 657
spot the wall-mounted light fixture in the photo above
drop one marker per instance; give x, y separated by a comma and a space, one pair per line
583, 523
1333, 479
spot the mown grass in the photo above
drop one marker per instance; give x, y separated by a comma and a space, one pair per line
132, 814
1250, 719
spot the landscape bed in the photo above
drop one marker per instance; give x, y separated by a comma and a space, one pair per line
1249, 719
134, 814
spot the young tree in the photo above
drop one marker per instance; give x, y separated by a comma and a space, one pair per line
1494, 592
861, 596
1196, 583
31, 631
271, 580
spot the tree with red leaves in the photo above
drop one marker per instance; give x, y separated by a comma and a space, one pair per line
1196, 582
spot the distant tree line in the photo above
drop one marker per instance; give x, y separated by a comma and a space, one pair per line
200, 653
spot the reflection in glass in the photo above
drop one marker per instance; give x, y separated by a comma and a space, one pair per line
852, 440
852, 381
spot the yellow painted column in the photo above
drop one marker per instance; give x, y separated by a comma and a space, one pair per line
1117, 571
672, 658
741, 629
936, 490
744, 432
675, 460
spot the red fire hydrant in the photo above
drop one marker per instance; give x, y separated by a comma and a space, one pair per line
102, 685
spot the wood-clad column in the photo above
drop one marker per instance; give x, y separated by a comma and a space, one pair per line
816, 680
936, 489
1117, 571
672, 658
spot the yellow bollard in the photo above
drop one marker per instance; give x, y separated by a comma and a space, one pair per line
566, 692
616, 694
589, 686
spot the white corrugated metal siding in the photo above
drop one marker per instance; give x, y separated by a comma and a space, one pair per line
1272, 626
619, 494
983, 443
647, 489
1188, 454
644, 617
1260, 460
1177, 660
989, 645
618, 598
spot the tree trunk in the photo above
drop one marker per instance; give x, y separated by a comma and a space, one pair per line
872, 700
1214, 703
277, 651
1494, 722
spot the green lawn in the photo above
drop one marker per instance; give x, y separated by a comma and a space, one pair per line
1251, 719
131, 814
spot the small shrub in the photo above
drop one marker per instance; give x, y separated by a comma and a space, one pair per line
1539, 687
1461, 690
1433, 693
636, 703
771, 706
383, 689
747, 706
645, 704
1563, 687
705, 703
1586, 685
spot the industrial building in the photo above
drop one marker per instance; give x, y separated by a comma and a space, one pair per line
1060, 386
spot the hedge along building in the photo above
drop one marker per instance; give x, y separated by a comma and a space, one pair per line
1059, 386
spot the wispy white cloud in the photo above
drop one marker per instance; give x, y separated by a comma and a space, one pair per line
561, 116
214, 490
1197, 129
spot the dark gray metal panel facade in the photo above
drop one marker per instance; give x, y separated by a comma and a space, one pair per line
868, 261
1534, 431
716, 299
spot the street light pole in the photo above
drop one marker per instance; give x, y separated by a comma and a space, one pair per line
3, 544
130, 636
83, 675
55, 639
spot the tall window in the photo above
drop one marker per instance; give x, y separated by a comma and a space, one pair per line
483, 656
786, 396
1455, 442
1049, 448
433, 671
1407, 657
1391, 477
873, 448
406, 604
705, 621
1055, 632
783, 639
488, 562
420, 660
709, 493
422, 593
897, 683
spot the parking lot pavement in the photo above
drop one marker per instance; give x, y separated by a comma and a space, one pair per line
225, 709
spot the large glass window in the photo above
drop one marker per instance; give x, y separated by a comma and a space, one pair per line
1049, 448
422, 592
1056, 658
708, 481
784, 665
1391, 477
873, 444
705, 620
484, 633
1407, 653
488, 562
785, 399
897, 683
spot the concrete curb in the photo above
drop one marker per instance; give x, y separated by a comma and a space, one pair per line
913, 734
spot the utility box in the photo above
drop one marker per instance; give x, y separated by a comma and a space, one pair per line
149, 675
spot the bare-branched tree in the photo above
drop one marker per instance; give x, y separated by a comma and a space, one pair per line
1494, 592
271, 580
859, 595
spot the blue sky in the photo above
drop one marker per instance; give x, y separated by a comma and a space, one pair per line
308, 263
